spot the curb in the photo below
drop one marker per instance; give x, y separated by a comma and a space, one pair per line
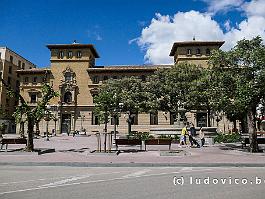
131, 164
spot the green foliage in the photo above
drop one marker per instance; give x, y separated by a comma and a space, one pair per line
166, 137
2, 127
240, 76
172, 87
227, 138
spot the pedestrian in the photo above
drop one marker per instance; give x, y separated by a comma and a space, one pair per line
192, 136
184, 132
201, 135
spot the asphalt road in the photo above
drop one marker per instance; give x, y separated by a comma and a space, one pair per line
25, 182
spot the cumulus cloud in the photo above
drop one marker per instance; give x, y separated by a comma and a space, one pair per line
215, 6
157, 38
255, 8
163, 31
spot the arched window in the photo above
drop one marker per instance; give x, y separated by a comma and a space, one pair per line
68, 97
68, 76
188, 52
208, 52
198, 51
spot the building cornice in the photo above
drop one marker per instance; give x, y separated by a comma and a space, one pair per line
194, 43
126, 68
74, 46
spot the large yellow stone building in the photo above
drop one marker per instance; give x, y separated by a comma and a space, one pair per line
74, 74
10, 62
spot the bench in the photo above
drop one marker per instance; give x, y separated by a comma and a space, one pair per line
158, 142
130, 142
245, 141
7, 141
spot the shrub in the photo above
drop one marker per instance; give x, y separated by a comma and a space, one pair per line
227, 138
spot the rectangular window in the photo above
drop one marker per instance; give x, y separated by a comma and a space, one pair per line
19, 63
10, 69
35, 80
9, 80
95, 119
153, 119
26, 80
33, 98
23, 66
95, 80
11, 59
112, 120
78, 54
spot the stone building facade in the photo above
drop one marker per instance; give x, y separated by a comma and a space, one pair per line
74, 74
10, 62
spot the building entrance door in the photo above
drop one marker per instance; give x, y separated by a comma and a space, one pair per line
66, 123
201, 119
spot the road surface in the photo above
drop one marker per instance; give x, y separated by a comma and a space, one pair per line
24, 182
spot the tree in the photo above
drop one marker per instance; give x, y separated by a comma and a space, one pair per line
241, 78
106, 101
131, 92
173, 87
31, 114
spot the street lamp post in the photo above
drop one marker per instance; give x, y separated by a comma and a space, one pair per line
55, 121
116, 115
82, 120
47, 119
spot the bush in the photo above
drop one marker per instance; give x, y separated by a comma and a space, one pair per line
227, 138
164, 137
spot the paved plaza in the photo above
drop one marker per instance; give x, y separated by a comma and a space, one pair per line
69, 150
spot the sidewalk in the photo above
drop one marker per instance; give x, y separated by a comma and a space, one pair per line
76, 151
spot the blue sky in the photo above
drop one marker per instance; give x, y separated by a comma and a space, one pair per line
124, 31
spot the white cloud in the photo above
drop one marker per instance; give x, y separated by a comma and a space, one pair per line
157, 38
227, 25
215, 6
255, 8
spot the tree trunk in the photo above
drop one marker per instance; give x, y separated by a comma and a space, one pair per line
244, 125
30, 145
253, 148
234, 127
129, 123
208, 117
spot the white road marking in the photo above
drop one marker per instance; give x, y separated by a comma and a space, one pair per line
96, 181
186, 169
138, 173
42, 179
65, 181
